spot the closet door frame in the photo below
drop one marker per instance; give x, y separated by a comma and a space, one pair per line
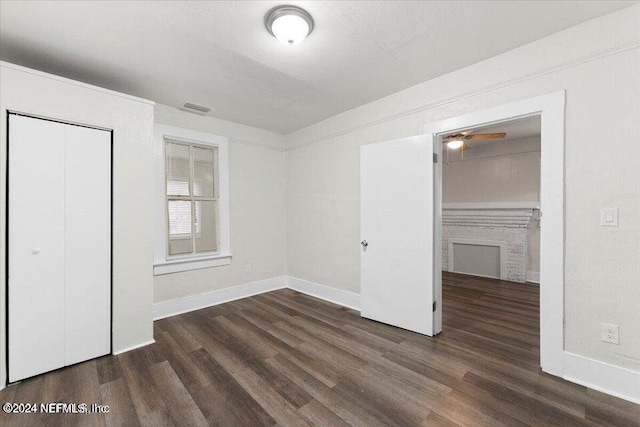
7, 189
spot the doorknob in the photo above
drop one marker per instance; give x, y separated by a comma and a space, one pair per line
364, 243
35, 251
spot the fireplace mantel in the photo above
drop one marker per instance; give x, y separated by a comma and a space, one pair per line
511, 218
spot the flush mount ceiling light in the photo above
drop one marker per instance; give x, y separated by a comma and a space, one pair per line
289, 24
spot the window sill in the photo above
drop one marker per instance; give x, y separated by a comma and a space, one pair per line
178, 265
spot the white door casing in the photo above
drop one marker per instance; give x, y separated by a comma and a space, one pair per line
397, 275
551, 109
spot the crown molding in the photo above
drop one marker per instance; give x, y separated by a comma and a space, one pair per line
73, 82
257, 144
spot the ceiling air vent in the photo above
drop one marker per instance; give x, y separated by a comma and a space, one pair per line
195, 108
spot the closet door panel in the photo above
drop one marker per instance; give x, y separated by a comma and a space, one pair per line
88, 244
36, 246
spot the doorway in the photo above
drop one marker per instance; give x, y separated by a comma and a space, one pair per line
491, 238
550, 109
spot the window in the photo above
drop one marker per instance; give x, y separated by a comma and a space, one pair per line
192, 227
192, 198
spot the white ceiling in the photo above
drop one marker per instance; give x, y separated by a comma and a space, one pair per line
219, 53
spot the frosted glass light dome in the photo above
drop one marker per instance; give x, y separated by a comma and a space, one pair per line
289, 24
455, 144
290, 29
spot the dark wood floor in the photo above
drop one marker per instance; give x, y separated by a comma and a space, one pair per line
287, 359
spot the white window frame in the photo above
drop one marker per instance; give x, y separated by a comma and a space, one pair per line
163, 263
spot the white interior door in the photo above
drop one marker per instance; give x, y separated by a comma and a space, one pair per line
397, 233
59, 245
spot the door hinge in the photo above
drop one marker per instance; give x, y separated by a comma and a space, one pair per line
435, 157
434, 306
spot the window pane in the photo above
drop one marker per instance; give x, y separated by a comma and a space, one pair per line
206, 226
179, 227
178, 169
203, 171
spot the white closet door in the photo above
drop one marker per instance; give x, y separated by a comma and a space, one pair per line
87, 244
59, 245
36, 246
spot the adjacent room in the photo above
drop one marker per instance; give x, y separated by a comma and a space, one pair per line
491, 236
332, 213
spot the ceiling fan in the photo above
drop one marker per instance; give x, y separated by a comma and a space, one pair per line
459, 140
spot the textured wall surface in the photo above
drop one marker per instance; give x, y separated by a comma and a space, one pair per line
257, 208
132, 123
598, 63
504, 171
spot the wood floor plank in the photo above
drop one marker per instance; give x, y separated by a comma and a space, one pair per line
108, 369
270, 328
178, 401
175, 326
351, 411
435, 420
116, 395
517, 405
143, 391
277, 406
190, 374
217, 410
319, 415
28, 391
81, 385
231, 402
292, 393
288, 359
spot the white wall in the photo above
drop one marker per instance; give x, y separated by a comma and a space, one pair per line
257, 208
598, 63
501, 171
131, 119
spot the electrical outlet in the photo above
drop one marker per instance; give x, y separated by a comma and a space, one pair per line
610, 333
247, 269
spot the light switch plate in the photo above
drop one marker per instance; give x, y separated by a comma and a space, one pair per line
609, 217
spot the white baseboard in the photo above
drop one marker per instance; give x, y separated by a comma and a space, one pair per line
609, 379
195, 302
133, 347
337, 296
533, 276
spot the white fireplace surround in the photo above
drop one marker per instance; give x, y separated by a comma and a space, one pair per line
501, 224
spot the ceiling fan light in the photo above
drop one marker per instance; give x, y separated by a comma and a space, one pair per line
289, 24
455, 144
